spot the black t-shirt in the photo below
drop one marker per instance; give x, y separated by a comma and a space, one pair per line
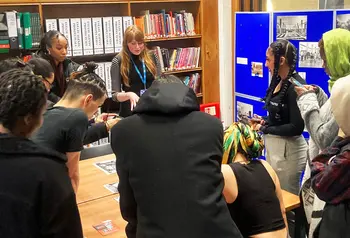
135, 83
63, 129
284, 116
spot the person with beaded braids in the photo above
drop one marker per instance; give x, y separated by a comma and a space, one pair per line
65, 125
286, 148
37, 198
252, 189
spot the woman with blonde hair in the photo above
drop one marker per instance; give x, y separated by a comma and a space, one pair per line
252, 189
133, 70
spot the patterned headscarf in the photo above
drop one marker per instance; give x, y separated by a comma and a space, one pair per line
239, 134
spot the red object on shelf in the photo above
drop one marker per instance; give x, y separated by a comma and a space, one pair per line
212, 109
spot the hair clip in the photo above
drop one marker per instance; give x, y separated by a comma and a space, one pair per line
20, 63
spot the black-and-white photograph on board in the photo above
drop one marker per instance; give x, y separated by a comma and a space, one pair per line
343, 21
309, 55
244, 112
291, 27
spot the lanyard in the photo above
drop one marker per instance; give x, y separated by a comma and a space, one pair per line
143, 79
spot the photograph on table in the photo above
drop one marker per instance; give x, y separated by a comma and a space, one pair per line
343, 21
117, 199
106, 227
107, 166
309, 55
112, 187
244, 112
257, 69
291, 27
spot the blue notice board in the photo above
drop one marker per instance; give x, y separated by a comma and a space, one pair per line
251, 41
248, 107
317, 23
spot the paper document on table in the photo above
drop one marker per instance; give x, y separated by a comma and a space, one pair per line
107, 166
113, 187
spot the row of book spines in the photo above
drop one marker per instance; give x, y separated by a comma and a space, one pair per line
193, 81
23, 31
91, 36
178, 59
165, 24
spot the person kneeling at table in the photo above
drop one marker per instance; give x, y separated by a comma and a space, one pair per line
169, 156
252, 189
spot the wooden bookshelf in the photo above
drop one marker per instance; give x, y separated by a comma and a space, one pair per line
205, 13
183, 71
174, 38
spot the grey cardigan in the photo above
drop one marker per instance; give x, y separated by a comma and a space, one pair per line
315, 109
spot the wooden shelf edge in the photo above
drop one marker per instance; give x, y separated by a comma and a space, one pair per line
91, 56
174, 38
153, 1
74, 2
182, 71
29, 3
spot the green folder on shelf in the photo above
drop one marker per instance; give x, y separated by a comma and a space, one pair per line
28, 39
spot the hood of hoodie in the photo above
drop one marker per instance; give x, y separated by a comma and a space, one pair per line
167, 99
16, 146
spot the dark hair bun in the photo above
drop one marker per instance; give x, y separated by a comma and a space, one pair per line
90, 67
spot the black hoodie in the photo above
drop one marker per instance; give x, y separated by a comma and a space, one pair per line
168, 162
36, 196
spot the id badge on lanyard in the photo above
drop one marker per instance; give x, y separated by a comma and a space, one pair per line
143, 79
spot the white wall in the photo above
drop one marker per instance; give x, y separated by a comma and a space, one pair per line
226, 58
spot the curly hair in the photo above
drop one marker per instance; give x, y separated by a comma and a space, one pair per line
240, 138
13, 63
286, 49
21, 93
85, 81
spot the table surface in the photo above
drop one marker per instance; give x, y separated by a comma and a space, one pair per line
290, 200
92, 180
97, 211
97, 204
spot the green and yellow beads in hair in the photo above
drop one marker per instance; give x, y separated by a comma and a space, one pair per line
239, 134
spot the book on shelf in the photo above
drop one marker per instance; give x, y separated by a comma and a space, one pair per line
91, 36
177, 59
193, 81
19, 30
164, 24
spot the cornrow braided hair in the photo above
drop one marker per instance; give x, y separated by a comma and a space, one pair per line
241, 138
21, 93
281, 48
86, 80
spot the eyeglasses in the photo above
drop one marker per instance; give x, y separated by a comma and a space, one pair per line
47, 81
